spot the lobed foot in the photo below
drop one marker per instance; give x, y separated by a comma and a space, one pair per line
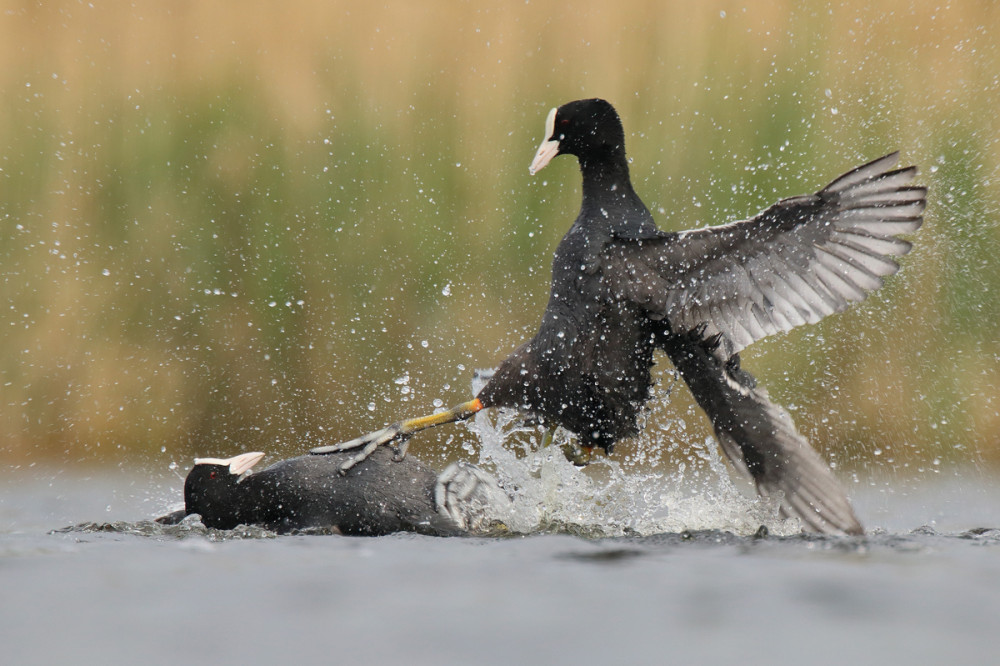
471, 499
368, 444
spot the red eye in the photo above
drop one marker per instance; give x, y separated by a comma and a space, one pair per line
213, 474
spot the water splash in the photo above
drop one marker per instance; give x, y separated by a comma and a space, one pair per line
615, 498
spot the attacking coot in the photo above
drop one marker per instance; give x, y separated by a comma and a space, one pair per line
622, 288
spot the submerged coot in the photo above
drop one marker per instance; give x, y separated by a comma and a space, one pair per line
308, 492
622, 288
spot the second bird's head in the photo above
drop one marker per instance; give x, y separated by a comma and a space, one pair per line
211, 487
587, 128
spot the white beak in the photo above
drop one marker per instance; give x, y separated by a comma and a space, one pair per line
549, 147
238, 465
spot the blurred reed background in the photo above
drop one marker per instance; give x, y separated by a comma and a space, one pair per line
268, 225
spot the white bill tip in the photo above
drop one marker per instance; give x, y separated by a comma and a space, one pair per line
237, 464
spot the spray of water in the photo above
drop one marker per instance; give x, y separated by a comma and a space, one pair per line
611, 497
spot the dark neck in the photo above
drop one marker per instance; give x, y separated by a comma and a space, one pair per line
606, 181
609, 200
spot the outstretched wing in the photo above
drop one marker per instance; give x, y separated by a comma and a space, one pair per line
794, 263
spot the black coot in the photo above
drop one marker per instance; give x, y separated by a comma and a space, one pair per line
622, 288
378, 497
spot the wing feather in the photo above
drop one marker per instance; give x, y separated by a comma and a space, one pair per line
796, 262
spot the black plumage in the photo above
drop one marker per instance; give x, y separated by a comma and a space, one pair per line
308, 492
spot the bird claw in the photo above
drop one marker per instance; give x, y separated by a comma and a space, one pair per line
399, 452
368, 444
361, 457
399, 432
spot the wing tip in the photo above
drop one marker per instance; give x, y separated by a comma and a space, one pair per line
878, 167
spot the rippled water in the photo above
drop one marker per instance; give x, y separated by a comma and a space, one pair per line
87, 578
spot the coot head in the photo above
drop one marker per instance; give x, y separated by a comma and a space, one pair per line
587, 128
212, 488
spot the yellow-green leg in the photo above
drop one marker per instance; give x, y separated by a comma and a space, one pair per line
399, 432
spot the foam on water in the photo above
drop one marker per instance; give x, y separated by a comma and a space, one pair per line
611, 497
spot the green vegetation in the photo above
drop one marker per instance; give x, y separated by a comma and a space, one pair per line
265, 233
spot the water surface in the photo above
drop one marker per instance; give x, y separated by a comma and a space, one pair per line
115, 588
